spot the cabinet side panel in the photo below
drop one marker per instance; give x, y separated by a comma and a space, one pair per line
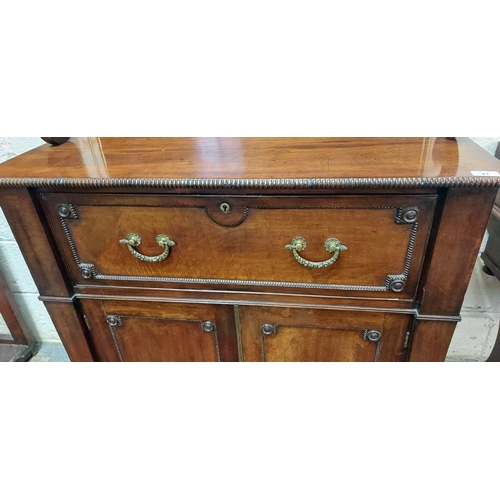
29, 232
431, 340
71, 330
455, 250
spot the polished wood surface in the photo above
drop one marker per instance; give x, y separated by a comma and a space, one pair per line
161, 332
430, 340
460, 229
317, 335
72, 329
220, 268
248, 242
46, 266
251, 158
29, 230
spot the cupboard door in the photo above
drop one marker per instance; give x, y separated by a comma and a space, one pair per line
288, 334
150, 331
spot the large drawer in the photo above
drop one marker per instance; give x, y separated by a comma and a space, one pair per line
370, 244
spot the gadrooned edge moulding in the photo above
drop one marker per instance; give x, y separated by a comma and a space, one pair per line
321, 183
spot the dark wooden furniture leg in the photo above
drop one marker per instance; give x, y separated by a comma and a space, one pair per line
22, 345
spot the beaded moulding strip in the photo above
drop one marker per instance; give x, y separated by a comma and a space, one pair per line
318, 183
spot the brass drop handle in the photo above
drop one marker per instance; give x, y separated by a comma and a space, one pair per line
134, 240
332, 245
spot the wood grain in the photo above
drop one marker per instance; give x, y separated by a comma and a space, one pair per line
161, 332
252, 158
455, 249
277, 189
71, 328
29, 231
431, 340
248, 243
318, 335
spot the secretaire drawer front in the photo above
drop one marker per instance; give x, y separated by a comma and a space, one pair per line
372, 244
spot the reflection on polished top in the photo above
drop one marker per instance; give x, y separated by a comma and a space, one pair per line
248, 162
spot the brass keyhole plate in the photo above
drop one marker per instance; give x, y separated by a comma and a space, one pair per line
225, 207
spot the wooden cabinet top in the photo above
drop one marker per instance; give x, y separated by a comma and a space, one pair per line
255, 163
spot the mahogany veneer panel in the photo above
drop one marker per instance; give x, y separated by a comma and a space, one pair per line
316, 335
247, 245
138, 331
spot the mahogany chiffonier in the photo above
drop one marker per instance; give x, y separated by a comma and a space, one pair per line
227, 249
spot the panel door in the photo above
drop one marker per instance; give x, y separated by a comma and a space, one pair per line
154, 331
290, 334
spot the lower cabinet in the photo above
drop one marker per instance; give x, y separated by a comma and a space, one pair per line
153, 331
290, 334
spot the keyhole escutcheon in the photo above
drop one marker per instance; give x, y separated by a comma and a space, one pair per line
225, 207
